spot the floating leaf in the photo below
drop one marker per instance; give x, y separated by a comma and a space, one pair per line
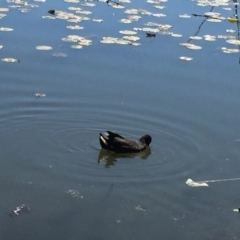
232, 19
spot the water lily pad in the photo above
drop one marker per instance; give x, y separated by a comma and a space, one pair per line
2, 15
230, 50
191, 46
127, 32
184, 16
43, 48
10, 60
107, 41
6, 29
230, 30
176, 35
4, 9
85, 42
59, 54
131, 38
134, 17
24, 10
212, 14
159, 7
131, 11
72, 1
233, 41
195, 37
185, 58
117, 6
125, 20
159, 15
40, 94
49, 17
209, 38
121, 41
97, 20
88, 4
151, 30
135, 43
76, 27
77, 46
214, 20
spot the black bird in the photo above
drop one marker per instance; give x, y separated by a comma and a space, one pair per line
116, 143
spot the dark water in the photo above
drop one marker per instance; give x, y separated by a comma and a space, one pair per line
50, 155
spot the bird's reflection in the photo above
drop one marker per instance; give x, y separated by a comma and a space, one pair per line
110, 158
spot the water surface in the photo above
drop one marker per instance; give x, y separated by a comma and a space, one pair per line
50, 156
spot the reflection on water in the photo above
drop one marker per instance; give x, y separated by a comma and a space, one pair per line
111, 157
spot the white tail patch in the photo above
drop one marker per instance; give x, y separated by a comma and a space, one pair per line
102, 138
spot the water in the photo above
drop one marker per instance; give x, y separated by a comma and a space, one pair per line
50, 155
